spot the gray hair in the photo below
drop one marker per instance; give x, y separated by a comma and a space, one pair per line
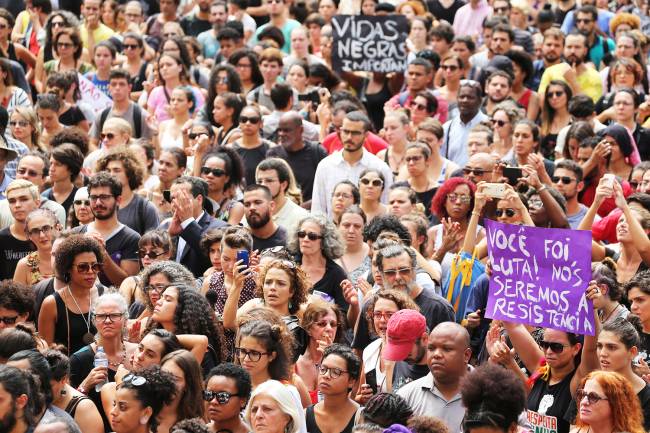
280, 393
175, 273
331, 245
393, 251
121, 303
68, 423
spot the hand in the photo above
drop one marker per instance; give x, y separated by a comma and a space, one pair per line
474, 319
451, 235
182, 205
641, 369
134, 331
364, 394
239, 274
152, 122
502, 353
323, 344
100, 239
480, 197
603, 191
120, 373
350, 292
96, 375
621, 203
175, 226
92, 21
254, 260
324, 114
530, 176
363, 285
602, 150
202, 144
492, 337
537, 162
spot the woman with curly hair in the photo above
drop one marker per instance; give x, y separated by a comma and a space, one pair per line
181, 309
452, 205
153, 280
385, 409
227, 390
494, 398
323, 323
187, 402
317, 243
248, 69
377, 373
65, 316
139, 400
607, 404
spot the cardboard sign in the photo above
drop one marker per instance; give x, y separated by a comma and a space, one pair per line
92, 96
539, 277
373, 44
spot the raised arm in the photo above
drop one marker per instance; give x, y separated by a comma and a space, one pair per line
589, 358
525, 345
639, 236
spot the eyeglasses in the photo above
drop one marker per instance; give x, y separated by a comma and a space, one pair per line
82, 202
555, 347
374, 182
475, 171
555, 94
21, 123
134, 380
100, 197
157, 288
65, 45
253, 355
110, 136
415, 158
535, 203
500, 123
310, 235
276, 251
8, 320
130, 46
451, 68
403, 272
151, 254
252, 120
334, 372
386, 315
112, 317
509, 212
46, 229
217, 172
471, 83
31, 173
462, 197
592, 397
342, 195
565, 179
195, 135
84, 268
223, 397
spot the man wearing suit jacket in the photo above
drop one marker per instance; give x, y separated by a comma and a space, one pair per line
190, 221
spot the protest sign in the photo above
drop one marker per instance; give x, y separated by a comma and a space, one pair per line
373, 44
539, 277
92, 96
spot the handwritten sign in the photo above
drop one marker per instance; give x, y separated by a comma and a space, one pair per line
92, 96
539, 277
373, 44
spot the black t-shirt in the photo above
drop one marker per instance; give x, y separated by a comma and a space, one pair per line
442, 13
303, 163
193, 26
12, 251
331, 283
67, 203
404, 373
250, 158
548, 405
279, 238
73, 117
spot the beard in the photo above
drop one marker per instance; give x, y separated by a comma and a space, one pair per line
8, 422
258, 221
574, 60
104, 216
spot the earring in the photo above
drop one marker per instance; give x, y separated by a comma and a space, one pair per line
290, 305
144, 420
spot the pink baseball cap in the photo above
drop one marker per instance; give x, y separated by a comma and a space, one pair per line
405, 327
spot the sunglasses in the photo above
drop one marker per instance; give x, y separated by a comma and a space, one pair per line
500, 123
633, 184
65, 45
565, 179
223, 397
592, 397
451, 68
403, 272
31, 173
195, 135
252, 120
134, 380
310, 235
130, 47
420, 107
499, 10
9, 320
217, 172
110, 136
82, 202
21, 123
555, 347
509, 212
475, 171
374, 182
88, 267
555, 94
151, 254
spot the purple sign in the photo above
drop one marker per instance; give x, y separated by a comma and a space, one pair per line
539, 277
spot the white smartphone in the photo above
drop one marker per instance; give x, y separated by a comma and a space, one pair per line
496, 190
609, 179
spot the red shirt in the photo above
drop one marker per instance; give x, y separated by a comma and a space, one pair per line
609, 204
373, 143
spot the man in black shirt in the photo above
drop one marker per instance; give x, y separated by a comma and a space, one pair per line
199, 21
258, 207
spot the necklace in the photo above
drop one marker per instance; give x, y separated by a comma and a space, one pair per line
88, 336
618, 304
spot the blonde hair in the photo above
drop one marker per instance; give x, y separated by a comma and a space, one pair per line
282, 396
20, 184
120, 124
29, 115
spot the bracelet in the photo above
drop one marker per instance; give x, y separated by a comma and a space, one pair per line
476, 213
82, 390
543, 188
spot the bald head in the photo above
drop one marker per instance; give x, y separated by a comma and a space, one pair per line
292, 118
452, 331
479, 167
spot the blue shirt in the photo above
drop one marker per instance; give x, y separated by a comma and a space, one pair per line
3, 186
604, 17
454, 142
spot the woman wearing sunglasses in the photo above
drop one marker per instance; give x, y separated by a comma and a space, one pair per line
80, 213
109, 316
24, 127
187, 402
607, 404
227, 390
182, 106
453, 70
223, 170
371, 186
317, 243
506, 114
65, 317
42, 226
139, 400
135, 63
377, 373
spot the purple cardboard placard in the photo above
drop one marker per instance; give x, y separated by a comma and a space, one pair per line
539, 277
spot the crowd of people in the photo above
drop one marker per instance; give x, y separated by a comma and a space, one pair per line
207, 227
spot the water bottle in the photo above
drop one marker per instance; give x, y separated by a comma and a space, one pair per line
101, 360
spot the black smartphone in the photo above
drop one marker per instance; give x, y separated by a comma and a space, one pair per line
371, 381
513, 174
167, 196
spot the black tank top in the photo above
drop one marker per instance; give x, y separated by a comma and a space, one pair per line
548, 405
312, 427
374, 103
77, 324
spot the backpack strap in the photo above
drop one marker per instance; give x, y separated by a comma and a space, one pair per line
137, 120
102, 117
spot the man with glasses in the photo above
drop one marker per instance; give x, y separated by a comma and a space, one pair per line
567, 179
347, 164
456, 130
33, 167
135, 211
22, 197
258, 208
479, 168
119, 242
119, 86
302, 156
275, 174
134, 15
